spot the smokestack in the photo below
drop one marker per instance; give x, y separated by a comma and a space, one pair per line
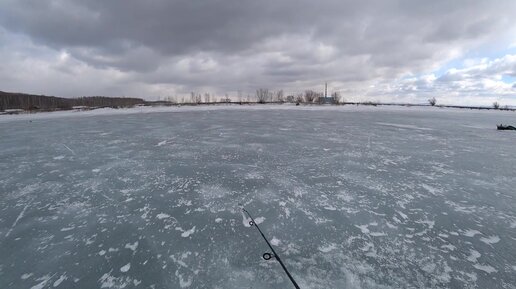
326, 89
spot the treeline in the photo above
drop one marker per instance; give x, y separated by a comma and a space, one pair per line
41, 102
262, 95
308, 96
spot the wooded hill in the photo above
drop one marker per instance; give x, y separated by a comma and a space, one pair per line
24, 101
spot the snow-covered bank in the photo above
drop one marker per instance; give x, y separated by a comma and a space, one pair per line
197, 108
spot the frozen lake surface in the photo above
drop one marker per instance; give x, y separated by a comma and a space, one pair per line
350, 197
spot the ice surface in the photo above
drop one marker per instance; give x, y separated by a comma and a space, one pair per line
350, 197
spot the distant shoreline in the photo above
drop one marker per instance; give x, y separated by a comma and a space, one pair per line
164, 104
20, 103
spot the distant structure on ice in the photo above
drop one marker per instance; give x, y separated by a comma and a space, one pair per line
325, 99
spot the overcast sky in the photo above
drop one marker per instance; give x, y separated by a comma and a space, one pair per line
461, 52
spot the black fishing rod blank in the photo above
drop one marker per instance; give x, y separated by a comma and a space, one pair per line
268, 256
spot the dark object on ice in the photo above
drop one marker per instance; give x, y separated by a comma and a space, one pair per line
505, 127
268, 256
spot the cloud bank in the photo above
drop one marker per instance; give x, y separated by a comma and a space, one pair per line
401, 50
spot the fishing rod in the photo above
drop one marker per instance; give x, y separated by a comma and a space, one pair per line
268, 256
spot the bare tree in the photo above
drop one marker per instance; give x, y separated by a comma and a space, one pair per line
262, 95
171, 99
280, 96
240, 96
290, 98
335, 97
432, 101
496, 105
310, 96
300, 98
320, 99
192, 97
206, 97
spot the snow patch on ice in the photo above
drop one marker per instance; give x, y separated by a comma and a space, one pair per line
429, 268
22, 213
187, 233
132, 246
67, 229
471, 233
327, 248
259, 220
363, 228
430, 224
44, 280
245, 220
391, 225
26, 276
345, 196
109, 281
432, 190
473, 256
60, 280
402, 215
461, 208
161, 216
450, 247
275, 241
254, 175
125, 268
490, 240
486, 268
184, 282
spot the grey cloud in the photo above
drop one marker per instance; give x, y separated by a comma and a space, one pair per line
137, 58
244, 44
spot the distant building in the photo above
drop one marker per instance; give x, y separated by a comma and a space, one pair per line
325, 99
